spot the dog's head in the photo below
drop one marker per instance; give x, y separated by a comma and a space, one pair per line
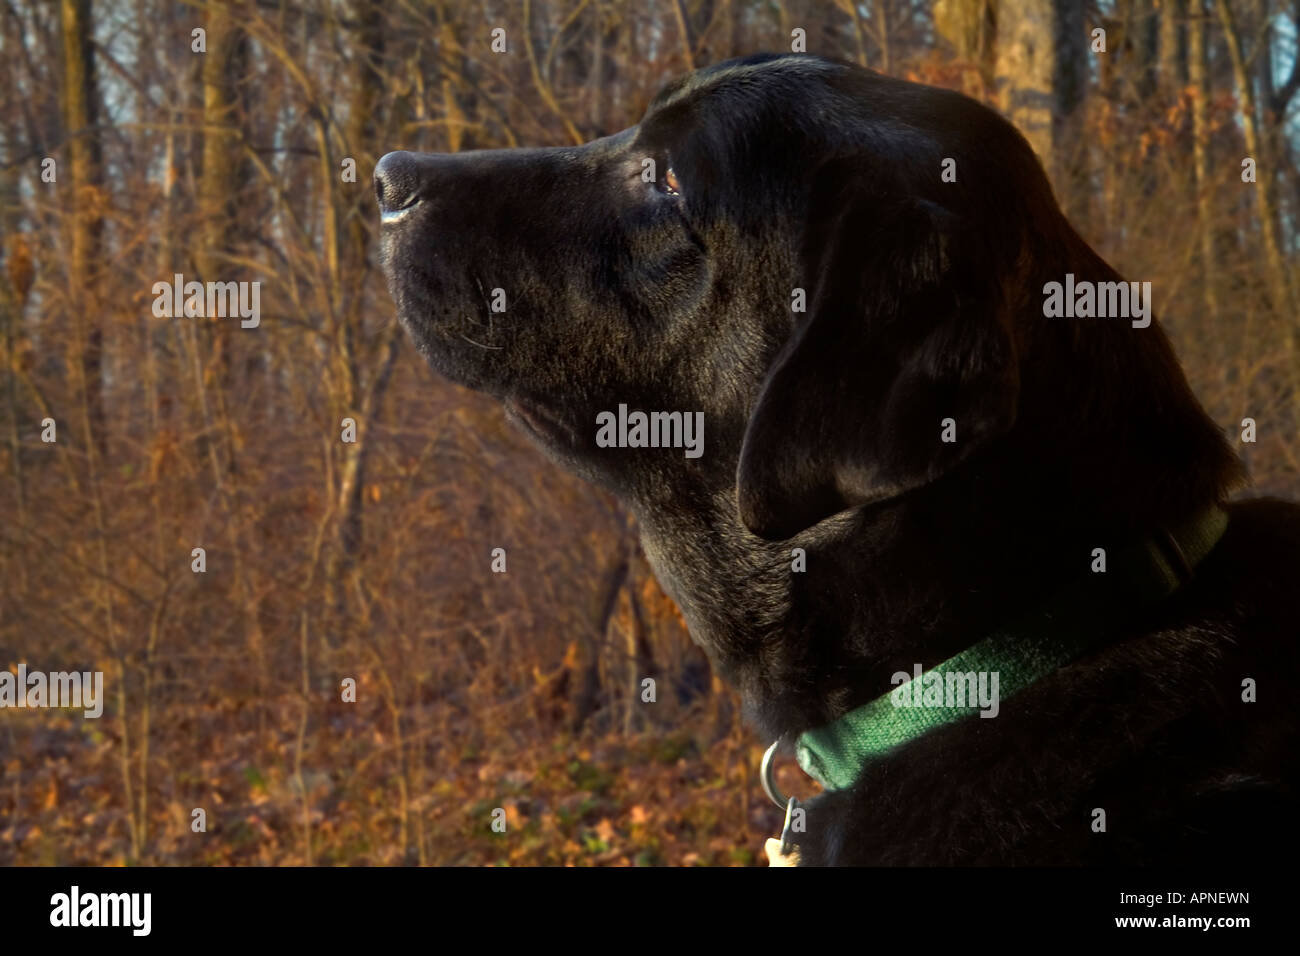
776, 238
843, 272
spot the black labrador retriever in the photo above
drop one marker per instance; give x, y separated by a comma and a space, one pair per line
944, 442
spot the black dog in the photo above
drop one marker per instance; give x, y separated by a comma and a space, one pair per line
959, 468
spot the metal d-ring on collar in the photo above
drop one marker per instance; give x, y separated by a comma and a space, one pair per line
769, 787
765, 775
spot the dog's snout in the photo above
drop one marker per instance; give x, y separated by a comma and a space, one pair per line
397, 181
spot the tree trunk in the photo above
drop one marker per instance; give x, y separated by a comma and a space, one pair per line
584, 682
639, 656
219, 190
352, 396
1173, 46
1197, 68
15, 286
1264, 167
971, 27
1039, 72
85, 161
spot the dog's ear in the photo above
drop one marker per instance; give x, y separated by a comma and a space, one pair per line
906, 328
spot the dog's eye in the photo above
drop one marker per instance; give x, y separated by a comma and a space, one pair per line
669, 184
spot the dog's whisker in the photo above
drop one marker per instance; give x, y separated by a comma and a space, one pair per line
480, 344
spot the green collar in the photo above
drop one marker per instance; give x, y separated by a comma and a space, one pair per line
1079, 617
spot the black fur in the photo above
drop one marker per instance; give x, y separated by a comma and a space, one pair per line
822, 432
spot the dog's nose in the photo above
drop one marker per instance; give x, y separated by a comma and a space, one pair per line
397, 180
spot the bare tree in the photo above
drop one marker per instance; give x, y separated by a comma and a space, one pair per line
85, 162
1039, 69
